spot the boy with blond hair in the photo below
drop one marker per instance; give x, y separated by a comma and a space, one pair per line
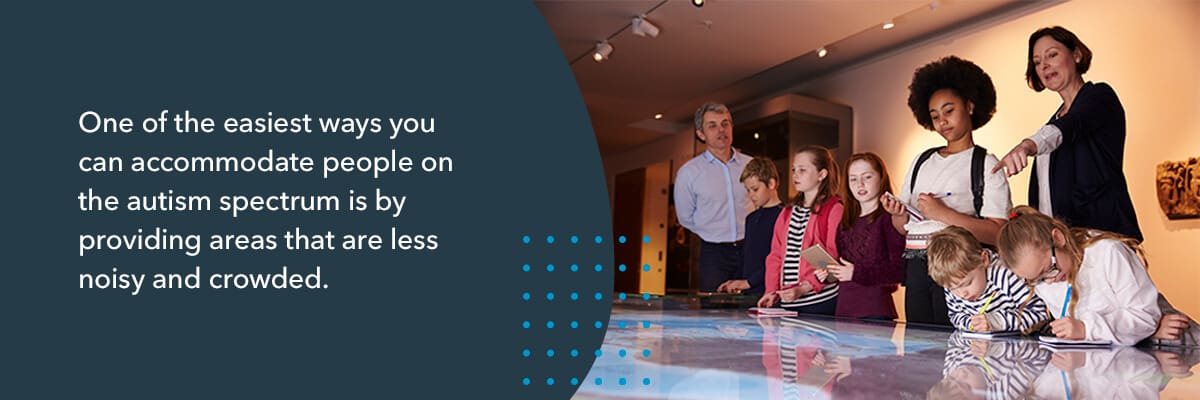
981, 294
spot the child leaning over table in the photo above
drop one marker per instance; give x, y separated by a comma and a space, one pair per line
981, 294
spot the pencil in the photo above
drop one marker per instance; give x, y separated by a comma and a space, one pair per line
986, 304
1066, 301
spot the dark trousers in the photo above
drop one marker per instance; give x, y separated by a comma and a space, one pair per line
718, 263
924, 300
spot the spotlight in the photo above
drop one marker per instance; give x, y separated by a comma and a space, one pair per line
755, 135
643, 28
822, 52
658, 116
698, 3
889, 24
603, 49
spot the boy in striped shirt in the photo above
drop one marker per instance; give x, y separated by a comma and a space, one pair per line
981, 294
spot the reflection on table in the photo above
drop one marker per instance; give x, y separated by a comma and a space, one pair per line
672, 349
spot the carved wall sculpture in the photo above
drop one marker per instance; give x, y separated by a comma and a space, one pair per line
1178, 184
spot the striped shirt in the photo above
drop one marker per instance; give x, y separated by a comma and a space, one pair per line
797, 226
1010, 367
1007, 311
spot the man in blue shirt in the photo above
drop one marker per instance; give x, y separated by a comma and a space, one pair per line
709, 199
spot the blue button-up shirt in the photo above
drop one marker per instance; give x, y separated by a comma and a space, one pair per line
710, 200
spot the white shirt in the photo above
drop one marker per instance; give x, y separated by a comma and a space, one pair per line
940, 175
1119, 373
1117, 299
1047, 139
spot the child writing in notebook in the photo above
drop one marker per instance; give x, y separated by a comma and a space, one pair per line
810, 219
762, 184
952, 184
982, 295
1095, 282
871, 249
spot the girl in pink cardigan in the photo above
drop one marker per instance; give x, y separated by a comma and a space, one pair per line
812, 219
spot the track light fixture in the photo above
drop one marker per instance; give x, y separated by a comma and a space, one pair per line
603, 49
822, 52
644, 28
698, 3
889, 24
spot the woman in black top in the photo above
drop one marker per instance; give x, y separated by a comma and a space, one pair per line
1082, 147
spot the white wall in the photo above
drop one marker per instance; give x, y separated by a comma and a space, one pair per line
1148, 51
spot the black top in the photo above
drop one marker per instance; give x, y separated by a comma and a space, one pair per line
1087, 179
760, 229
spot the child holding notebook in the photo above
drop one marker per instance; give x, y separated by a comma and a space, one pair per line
811, 219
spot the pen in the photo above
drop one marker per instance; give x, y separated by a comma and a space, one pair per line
1066, 301
941, 195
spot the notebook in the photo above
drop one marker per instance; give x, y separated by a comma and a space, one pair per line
916, 214
817, 256
771, 312
989, 335
1059, 343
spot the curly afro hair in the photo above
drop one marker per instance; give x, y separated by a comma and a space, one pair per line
961, 76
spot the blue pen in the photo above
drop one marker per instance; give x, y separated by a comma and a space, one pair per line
1063, 314
941, 195
1066, 301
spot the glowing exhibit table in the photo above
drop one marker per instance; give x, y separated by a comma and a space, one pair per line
671, 349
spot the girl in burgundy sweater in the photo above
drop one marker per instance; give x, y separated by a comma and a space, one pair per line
870, 247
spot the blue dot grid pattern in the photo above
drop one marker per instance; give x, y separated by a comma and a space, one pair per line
544, 300
621, 377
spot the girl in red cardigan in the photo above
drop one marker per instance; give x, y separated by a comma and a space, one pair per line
812, 219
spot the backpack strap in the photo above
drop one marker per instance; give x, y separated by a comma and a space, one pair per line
917, 167
978, 156
977, 159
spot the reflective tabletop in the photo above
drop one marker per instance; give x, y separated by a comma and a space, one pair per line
674, 349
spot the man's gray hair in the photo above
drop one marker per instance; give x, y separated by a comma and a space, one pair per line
711, 106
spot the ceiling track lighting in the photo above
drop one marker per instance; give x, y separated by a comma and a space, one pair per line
698, 3
822, 52
603, 50
640, 26
889, 24
643, 27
